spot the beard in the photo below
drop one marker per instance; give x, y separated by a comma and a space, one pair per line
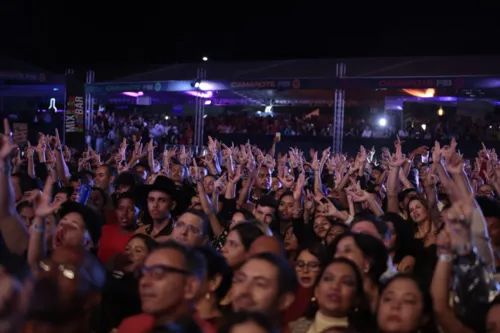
47, 304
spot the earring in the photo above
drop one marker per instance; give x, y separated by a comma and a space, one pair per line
366, 269
208, 296
356, 309
313, 299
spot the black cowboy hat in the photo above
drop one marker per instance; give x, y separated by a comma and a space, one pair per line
161, 184
93, 221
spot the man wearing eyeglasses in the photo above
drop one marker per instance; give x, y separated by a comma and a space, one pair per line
168, 286
191, 228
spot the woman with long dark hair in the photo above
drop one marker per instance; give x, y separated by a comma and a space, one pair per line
340, 300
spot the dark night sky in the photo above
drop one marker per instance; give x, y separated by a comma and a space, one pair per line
118, 40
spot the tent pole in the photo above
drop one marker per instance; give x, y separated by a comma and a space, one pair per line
338, 112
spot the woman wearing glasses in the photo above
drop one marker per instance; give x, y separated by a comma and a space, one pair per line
308, 264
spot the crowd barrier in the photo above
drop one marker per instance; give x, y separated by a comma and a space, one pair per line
469, 148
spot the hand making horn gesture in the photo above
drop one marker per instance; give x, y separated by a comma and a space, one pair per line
7, 148
45, 207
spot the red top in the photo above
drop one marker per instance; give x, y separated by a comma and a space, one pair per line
110, 217
299, 305
113, 241
143, 323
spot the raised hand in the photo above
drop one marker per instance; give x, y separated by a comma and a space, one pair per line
196, 172
436, 152
220, 183
58, 144
315, 161
29, 151
459, 224
67, 154
324, 157
287, 180
44, 207
299, 187
454, 163
397, 159
7, 148
183, 155
123, 147
151, 147
270, 162
325, 206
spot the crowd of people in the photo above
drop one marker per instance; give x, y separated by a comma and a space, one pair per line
111, 127
240, 239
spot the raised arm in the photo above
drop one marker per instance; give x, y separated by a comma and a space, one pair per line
12, 227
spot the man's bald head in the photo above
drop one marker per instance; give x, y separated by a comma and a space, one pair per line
266, 244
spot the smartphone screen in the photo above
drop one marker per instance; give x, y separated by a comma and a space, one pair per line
84, 194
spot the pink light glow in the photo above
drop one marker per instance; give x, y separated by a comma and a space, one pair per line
133, 94
202, 94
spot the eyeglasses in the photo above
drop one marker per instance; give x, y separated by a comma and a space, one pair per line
310, 265
158, 272
188, 227
68, 271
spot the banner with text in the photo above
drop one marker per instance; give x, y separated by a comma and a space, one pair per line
74, 118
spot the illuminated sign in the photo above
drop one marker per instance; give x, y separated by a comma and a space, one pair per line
254, 84
124, 87
406, 83
75, 114
52, 105
266, 84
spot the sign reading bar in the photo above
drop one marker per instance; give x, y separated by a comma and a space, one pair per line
74, 118
75, 114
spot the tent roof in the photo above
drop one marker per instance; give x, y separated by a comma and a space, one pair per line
9, 63
12, 65
326, 68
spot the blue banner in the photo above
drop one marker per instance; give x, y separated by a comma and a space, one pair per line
153, 86
472, 82
265, 84
21, 76
208, 85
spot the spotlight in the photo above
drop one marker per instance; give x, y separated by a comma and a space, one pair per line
424, 127
204, 59
382, 122
440, 111
208, 102
195, 84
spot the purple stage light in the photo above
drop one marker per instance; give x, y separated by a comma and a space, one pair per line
202, 94
133, 94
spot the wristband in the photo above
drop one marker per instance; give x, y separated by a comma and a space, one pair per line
39, 228
445, 257
463, 249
